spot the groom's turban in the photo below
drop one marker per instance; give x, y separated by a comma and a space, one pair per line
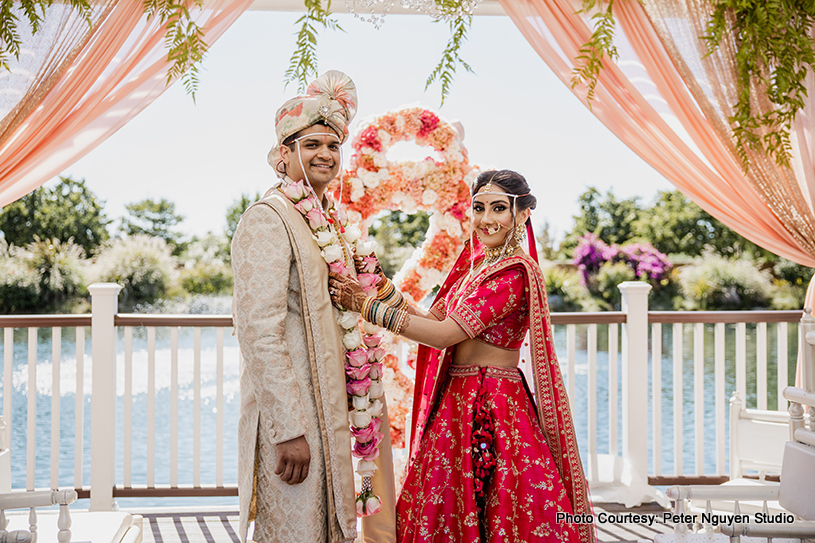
331, 98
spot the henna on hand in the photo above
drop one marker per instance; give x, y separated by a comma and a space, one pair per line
358, 264
345, 292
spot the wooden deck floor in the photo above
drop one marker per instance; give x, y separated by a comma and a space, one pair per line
222, 527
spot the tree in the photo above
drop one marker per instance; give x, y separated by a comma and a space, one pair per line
610, 219
154, 218
235, 212
398, 234
675, 225
68, 210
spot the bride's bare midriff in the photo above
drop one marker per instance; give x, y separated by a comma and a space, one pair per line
475, 353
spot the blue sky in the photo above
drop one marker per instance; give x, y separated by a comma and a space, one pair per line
515, 112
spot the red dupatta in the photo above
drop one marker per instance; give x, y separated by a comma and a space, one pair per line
552, 402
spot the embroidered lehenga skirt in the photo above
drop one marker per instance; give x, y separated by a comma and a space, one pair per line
483, 472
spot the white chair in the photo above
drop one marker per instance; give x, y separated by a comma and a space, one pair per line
795, 494
62, 526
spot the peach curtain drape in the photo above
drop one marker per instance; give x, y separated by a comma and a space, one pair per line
75, 100
669, 105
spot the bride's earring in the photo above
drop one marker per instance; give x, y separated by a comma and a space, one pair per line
519, 233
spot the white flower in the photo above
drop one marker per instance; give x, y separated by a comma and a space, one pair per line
366, 468
397, 198
375, 410
323, 237
348, 319
384, 137
383, 174
380, 160
331, 253
357, 189
365, 248
409, 206
352, 339
376, 390
361, 402
360, 419
429, 197
369, 328
354, 216
370, 180
352, 233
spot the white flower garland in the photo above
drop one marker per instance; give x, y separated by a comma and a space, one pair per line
363, 364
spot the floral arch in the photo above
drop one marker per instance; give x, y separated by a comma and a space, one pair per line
373, 183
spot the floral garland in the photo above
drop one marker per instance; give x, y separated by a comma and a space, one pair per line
373, 184
363, 364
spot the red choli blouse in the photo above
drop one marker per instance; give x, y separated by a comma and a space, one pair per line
491, 308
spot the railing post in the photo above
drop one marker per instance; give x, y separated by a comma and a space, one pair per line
635, 377
104, 303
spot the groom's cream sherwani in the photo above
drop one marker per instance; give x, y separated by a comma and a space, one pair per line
293, 384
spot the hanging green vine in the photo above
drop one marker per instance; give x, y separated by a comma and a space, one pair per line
775, 50
303, 62
34, 14
184, 39
774, 53
589, 60
445, 70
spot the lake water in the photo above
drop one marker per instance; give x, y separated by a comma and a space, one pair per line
20, 386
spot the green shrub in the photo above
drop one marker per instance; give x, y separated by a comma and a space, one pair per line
564, 289
606, 284
207, 278
19, 284
714, 282
60, 267
142, 265
206, 266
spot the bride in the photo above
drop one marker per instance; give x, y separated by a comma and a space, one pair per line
489, 462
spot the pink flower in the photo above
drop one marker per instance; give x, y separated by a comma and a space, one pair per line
368, 451
364, 435
375, 354
316, 219
358, 388
369, 264
429, 123
295, 191
372, 340
375, 370
372, 506
357, 357
358, 373
368, 281
360, 508
338, 267
305, 205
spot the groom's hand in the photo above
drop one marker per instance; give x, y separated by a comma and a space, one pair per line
293, 458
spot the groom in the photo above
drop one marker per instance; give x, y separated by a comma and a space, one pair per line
295, 471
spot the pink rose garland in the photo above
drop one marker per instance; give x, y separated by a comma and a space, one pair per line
363, 367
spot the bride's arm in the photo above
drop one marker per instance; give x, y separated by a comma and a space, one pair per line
347, 292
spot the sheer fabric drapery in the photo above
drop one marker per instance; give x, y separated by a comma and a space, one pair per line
76, 84
669, 104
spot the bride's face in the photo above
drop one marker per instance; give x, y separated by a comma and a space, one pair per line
492, 218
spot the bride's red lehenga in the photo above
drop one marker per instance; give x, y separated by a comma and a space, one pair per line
486, 464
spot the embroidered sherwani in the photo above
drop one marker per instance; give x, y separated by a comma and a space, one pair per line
293, 384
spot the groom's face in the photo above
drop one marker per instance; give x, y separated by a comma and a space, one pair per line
315, 154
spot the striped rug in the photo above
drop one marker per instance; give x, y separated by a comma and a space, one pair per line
222, 527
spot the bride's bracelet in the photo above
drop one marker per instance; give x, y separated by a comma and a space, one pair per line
389, 294
379, 313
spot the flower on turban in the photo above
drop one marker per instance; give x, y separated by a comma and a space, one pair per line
331, 98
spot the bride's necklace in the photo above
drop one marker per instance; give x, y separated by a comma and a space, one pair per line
493, 254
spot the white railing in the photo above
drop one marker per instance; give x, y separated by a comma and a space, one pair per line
617, 380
